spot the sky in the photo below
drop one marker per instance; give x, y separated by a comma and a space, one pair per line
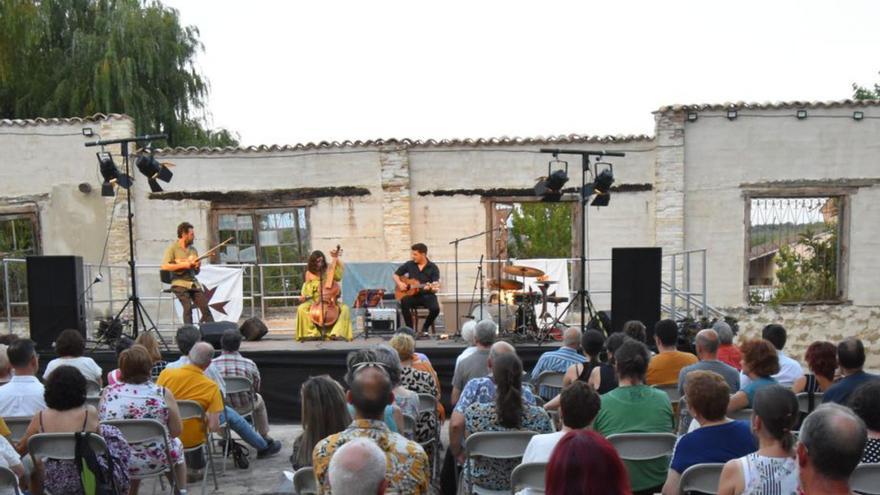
285, 72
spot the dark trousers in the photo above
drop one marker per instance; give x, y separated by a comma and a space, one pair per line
426, 300
187, 298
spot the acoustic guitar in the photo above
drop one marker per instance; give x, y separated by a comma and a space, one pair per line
414, 287
167, 275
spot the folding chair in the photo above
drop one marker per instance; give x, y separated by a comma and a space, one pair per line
866, 479
238, 385
643, 446
552, 379
94, 401
8, 480
494, 445
304, 482
684, 416
529, 475
428, 404
701, 478
140, 431
62, 446
18, 425
93, 388
804, 401
671, 390
409, 426
741, 415
193, 410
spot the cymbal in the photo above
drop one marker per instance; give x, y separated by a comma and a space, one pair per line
546, 282
522, 271
505, 284
557, 300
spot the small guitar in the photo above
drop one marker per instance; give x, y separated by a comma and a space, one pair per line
167, 276
414, 288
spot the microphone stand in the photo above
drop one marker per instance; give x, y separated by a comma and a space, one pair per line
478, 281
455, 244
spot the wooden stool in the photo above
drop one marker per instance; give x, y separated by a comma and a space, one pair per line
414, 315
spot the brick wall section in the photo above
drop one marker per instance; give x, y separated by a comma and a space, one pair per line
669, 187
396, 205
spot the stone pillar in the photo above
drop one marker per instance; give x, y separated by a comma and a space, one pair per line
396, 205
669, 192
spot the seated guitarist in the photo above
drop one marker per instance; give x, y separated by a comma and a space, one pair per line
182, 259
419, 269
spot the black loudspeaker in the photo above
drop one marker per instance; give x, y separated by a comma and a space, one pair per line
55, 297
253, 329
212, 332
635, 287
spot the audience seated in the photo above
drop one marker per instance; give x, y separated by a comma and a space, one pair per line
148, 340
865, 402
603, 378
759, 363
707, 352
67, 412
122, 343
790, 370
634, 407
11, 459
370, 393
324, 413
134, 396
830, 445
70, 346
5, 367
469, 335
559, 360
851, 356
821, 358
585, 463
355, 360
773, 468
508, 412
474, 366
416, 380
718, 439
406, 400
358, 468
728, 352
669, 361
23, 395
636, 330
187, 336
417, 356
598, 374
230, 362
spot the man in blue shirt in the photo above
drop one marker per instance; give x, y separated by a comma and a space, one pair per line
851, 358
559, 360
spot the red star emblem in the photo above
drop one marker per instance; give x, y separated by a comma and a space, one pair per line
219, 307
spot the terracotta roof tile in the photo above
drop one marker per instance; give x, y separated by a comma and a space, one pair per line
779, 105
58, 121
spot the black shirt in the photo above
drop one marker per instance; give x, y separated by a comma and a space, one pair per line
430, 274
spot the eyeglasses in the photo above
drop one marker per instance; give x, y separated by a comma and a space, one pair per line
368, 364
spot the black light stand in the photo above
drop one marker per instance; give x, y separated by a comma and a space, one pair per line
139, 313
455, 244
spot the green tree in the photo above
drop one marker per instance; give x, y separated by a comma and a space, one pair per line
61, 58
862, 93
540, 230
808, 271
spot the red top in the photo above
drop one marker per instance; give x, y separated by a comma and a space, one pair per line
731, 355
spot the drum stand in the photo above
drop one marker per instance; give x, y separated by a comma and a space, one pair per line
588, 306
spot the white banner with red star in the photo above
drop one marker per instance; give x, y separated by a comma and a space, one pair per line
223, 289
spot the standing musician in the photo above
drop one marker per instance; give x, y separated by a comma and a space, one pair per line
419, 269
311, 294
182, 260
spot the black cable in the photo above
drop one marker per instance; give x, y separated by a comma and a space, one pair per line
107, 238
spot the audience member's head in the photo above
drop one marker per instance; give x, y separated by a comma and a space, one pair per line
631, 361
186, 338
776, 412
406, 330
355, 358
150, 343
22, 356
324, 413
5, 367
592, 343
612, 343
666, 333
636, 330
70, 343
230, 341
707, 395
707, 344
370, 391
831, 443
389, 358
507, 372
65, 389
578, 405
851, 354
759, 358
584, 462
497, 349
725, 333
821, 357
775, 334
485, 333
135, 364
571, 337
8, 338
201, 354
865, 402
469, 332
358, 468
404, 345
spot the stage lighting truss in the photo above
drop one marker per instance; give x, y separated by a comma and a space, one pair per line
111, 174
549, 188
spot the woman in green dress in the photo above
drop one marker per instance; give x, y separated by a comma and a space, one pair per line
311, 294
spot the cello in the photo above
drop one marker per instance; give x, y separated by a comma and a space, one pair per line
325, 312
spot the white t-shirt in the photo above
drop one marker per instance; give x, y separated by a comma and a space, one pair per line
8, 458
22, 396
539, 450
86, 365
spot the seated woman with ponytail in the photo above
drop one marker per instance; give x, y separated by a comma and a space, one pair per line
507, 413
774, 467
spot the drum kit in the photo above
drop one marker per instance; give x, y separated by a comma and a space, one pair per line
520, 312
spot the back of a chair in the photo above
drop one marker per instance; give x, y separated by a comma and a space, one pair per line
94, 401
528, 475
93, 388
427, 402
61, 446
139, 430
18, 425
304, 482
498, 444
8, 480
701, 478
866, 479
804, 401
741, 415
241, 385
549, 379
409, 426
190, 409
643, 446
671, 390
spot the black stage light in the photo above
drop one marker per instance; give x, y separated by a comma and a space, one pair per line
549, 188
152, 169
111, 174
602, 187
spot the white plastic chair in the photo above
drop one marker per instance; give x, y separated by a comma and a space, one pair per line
866, 479
643, 446
18, 425
701, 478
529, 475
193, 410
495, 445
140, 431
304, 482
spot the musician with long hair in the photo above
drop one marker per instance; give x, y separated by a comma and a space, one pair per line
318, 271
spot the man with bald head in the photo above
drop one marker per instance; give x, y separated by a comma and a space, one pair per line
829, 448
358, 468
559, 360
707, 350
408, 468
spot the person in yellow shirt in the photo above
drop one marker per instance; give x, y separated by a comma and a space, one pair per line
664, 367
190, 383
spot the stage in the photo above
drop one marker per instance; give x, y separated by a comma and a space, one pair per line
285, 364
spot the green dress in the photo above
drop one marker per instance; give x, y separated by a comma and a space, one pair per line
305, 329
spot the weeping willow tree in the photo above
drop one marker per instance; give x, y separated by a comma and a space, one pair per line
61, 58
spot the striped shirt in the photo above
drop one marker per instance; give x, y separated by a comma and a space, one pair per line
234, 364
769, 475
558, 361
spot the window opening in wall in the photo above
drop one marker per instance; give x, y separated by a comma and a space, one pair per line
18, 238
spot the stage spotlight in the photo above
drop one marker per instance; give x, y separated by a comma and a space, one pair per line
602, 187
112, 176
152, 169
550, 188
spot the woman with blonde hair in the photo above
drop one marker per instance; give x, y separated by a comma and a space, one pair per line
150, 343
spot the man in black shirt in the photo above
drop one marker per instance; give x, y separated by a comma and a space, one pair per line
419, 269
